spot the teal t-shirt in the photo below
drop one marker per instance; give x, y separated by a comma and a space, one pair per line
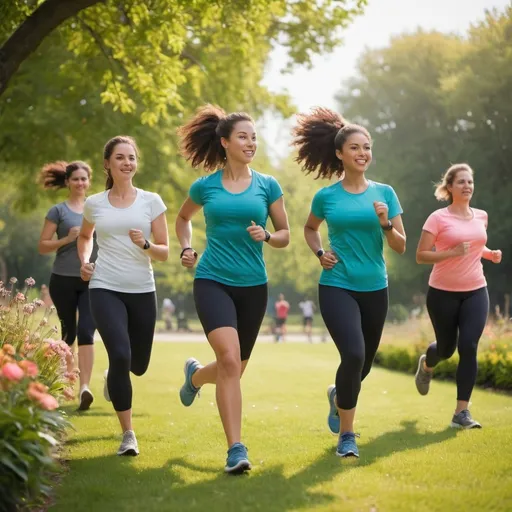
355, 235
231, 256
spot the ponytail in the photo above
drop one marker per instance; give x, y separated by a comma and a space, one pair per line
55, 174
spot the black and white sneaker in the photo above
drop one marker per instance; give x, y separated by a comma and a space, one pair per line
129, 444
86, 399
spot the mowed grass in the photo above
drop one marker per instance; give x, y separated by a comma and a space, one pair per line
410, 459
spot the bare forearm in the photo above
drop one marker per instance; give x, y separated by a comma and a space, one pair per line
313, 239
49, 246
84, 248
396, 240
487, 253
184, 232
158, 252
279, 239
432, 257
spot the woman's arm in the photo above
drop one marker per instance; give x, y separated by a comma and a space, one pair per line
46, 245
396, 237
328, 259
85, 242
183, 228
425, 254
281, 236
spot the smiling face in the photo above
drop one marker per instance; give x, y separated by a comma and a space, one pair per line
78, 182
356, 153
462, 187
122, 164
241, 145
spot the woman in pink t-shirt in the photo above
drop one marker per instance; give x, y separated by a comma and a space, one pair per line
457, 298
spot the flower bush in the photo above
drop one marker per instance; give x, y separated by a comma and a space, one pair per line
33, 380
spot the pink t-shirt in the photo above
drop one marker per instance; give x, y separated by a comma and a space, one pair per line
462, 273
282, 308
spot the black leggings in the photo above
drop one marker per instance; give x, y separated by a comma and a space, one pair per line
69, 295
241, 307
126, 323
355, 321
459, 319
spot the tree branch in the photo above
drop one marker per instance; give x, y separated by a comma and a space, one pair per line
31, 33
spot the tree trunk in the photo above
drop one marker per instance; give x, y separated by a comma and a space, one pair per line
31, 33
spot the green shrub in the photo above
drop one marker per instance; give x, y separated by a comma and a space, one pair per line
33, 379
398, 314
494, 364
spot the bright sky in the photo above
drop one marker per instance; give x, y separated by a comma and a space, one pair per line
381, 20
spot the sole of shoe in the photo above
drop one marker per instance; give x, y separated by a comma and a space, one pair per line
462, 427
86, 399
239, 468
348, 454
130, 452
420, 362
329, 391
188, 362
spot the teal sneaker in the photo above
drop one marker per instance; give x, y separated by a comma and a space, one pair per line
333, 419
237, 461
188, 391
347, 446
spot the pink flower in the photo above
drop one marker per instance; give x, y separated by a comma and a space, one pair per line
48, 402
36, 390
30, 368
11, 371
28, 309
71, 376
30, 281
69, 394
19, 297
13, 280
38, 303
44, 321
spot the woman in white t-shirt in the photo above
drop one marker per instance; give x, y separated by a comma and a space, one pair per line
122, 286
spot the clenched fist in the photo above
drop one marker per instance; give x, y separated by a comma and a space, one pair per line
381, 209
137, 237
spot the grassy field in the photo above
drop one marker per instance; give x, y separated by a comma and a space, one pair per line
410, 459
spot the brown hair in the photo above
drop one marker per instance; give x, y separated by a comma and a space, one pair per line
109, 149
317, 136
54, 175
200, 137
442, 193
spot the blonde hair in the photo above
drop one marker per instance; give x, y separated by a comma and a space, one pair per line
442, 193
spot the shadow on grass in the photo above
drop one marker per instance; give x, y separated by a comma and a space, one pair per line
115, 484
72, 411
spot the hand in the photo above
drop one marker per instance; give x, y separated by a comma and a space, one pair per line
86, 271
328, 260
189, 258
73, 234
496, 256
137, 237
257, 232
381, 209
462, 249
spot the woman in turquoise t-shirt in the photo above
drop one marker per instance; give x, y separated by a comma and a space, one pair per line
353, 293
230, 286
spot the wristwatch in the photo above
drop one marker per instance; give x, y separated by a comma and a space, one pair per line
267, 235
320, 253
388, 227
147, 245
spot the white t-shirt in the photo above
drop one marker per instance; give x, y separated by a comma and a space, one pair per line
122, 266
307, 308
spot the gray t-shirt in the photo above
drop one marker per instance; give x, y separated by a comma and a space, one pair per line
67, 262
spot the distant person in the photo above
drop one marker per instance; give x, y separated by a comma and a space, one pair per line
168, 309
67, 290
122, 283
282, 308
353, 293
230, 286
307, 307
457, 297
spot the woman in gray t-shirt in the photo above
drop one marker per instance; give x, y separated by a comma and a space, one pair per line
68, 291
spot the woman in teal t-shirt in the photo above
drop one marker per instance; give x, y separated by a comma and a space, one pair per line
230, 286
353, 293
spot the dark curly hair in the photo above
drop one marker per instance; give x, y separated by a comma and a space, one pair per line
317, 136
53, 175
200, 137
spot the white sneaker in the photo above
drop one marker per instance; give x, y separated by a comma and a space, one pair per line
106, 394
86, 398
129, 444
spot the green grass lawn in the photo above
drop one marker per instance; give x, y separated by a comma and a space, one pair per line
410, 459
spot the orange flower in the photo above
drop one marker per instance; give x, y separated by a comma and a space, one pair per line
30, 368
9, 349
48, 402
36, 390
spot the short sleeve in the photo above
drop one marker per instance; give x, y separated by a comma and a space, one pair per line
274, 190
53, 215
157, 206
317, 206
394, 206
88, 211
431, 224
196, 191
